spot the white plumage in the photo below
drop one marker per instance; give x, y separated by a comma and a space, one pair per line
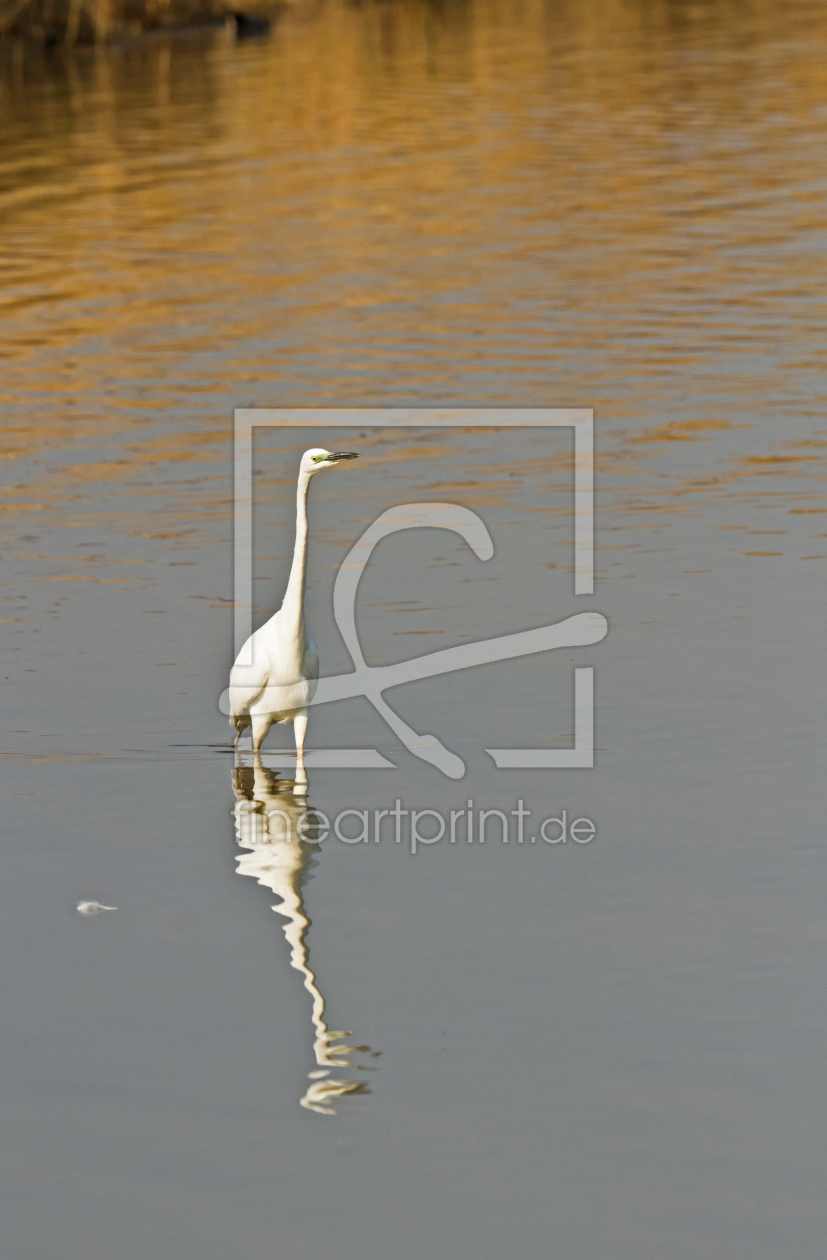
280, 680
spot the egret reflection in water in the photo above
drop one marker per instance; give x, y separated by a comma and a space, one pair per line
278, 831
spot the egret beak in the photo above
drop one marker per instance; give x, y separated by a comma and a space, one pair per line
341, 455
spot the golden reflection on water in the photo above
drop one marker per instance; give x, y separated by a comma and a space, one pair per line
278, 832
608, 203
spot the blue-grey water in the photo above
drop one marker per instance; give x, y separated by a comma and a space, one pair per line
611, 1051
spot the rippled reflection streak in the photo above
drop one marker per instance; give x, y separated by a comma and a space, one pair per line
268, 824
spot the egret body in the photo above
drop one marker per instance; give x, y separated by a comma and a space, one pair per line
280, 680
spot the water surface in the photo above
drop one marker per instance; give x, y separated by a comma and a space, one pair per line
606, 1052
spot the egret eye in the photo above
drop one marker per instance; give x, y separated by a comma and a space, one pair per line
318, 459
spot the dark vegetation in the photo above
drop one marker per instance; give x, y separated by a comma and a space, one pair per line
63, 23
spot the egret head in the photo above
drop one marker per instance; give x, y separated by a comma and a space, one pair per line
317, 458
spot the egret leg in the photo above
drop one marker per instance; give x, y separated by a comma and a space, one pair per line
300, 729
261, 723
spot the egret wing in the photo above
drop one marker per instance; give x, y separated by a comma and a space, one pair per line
310, 662
246, 684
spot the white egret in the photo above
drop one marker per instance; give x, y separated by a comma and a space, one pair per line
280, 679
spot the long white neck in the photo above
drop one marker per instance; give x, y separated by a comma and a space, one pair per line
293, 603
